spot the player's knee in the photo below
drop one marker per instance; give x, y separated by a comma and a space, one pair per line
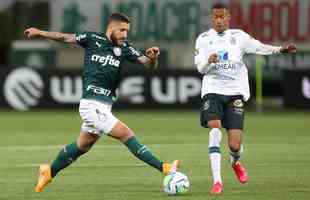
84, 147
234, 146
214, 124
215, 137
121, 132
86, 141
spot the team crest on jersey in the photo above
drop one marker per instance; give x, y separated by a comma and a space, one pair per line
238, 103
117, 51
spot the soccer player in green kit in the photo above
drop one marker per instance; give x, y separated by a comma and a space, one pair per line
103, 61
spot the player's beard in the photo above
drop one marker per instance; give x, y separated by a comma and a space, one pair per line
117, 41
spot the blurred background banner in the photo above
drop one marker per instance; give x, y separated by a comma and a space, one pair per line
297, 89
26, 88
170, 24
174, 24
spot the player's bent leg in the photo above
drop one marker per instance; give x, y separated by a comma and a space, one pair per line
215, 137
65, 157
71, 152
236, 149
124, 134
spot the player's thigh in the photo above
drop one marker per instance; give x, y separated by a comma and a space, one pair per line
211, 110
233, 113
97, 117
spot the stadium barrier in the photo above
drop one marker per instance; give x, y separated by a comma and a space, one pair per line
296, 86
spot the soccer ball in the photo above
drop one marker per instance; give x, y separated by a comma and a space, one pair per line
176, 183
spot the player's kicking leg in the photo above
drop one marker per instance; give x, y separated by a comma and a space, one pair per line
66, 156
236, 149
121, 132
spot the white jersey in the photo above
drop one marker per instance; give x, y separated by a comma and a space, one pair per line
230, 75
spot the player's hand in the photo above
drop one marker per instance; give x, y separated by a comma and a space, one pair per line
213, 58
32, 32
152, 53
290, 48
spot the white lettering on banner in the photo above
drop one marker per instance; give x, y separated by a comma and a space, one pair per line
66, 89
306, 87
132, 89
23, 88
189, 87
171, 90
164, 91
178, 90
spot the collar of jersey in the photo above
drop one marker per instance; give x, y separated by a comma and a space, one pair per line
221, 34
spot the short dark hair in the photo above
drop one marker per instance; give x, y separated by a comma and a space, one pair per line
120, 17
219, 6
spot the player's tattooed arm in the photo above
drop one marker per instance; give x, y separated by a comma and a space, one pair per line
56, 36
150, 60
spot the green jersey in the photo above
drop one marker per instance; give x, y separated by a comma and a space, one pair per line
102, 65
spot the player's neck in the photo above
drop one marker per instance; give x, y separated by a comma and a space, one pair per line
221, 31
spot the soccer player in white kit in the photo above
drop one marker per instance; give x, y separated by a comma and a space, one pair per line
225, 87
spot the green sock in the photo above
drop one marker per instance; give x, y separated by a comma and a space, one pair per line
65, 157
141, 152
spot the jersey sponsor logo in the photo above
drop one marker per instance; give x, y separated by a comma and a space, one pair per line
238, 103
23, 88
225, 66
206, 105
98, 90
104, 60
80, 37
222, 55
238, 111
238, 106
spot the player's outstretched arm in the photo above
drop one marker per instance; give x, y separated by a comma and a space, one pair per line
56, 36
150, 60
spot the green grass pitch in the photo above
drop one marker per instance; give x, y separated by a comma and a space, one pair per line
277, 155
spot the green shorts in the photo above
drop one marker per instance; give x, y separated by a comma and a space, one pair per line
228, 109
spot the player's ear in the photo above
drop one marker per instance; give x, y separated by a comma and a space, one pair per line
228, 14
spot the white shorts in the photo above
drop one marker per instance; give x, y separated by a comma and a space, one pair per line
97, 117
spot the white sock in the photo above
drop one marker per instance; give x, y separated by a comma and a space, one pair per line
215, 137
